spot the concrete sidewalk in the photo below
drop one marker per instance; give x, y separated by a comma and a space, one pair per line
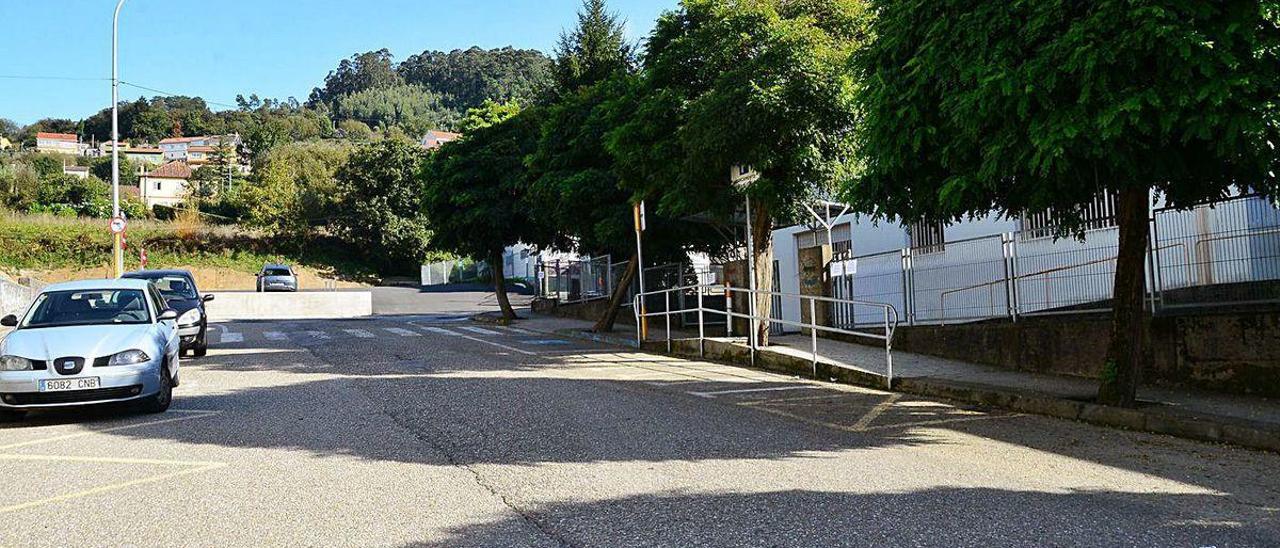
1243, 420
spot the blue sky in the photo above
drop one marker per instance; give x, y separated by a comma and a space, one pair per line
275, 48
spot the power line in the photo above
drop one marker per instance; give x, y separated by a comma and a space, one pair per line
171, 94
63, 78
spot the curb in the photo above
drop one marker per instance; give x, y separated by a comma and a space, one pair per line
1171, 422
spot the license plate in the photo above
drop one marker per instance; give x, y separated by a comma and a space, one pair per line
67, 385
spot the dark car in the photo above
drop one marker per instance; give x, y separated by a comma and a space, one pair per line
277, 277
178, 288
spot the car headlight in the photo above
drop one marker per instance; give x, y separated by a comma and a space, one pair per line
129, 357
14, 363
190, 317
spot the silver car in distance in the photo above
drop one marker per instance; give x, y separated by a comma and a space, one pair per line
90, 342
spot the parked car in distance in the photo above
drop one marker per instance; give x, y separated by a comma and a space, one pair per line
277, 277
178, 287
90, 342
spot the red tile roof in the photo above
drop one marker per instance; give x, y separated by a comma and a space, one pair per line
172, 170
172, 140
58, 136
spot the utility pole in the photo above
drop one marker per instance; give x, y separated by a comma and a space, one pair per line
117, 248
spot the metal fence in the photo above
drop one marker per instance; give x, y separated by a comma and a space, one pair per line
1221, 254
704, 311
453, 272
576, 280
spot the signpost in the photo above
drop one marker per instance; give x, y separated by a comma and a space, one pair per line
640, 227
742, 176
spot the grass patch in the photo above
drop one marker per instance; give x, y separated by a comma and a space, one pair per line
35, 243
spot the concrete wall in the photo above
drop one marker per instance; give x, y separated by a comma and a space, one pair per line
14, 298
290, 306
1237, 352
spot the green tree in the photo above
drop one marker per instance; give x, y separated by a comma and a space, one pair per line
594, 50
379, 202
101, 168
412, 108
294, 189
467, 78
473, 195
762, 83
363, 71
974, 105
355, 130
489, 114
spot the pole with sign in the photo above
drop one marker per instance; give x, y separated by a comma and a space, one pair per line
640, 226
741, 176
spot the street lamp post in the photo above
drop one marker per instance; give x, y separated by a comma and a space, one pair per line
117, 249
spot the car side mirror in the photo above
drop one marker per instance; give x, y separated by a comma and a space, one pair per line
169, 314
9, 321
207, 298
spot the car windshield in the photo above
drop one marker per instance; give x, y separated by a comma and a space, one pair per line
276, 272
92, 307
175, 287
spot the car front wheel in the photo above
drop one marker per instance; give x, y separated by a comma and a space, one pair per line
159, 403
202, 346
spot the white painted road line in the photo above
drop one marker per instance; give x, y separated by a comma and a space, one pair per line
521, 331
401, 331
544, 342
275, 336
479, 330
229, 337
440, 330
360, 333
499, 345
317, 335
749, 390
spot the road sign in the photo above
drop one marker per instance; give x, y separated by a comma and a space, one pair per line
743, 175
118, 225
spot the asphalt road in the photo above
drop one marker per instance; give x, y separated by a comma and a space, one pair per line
426, 430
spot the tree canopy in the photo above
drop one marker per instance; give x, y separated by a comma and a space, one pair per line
594, 50
469, 77
978, 105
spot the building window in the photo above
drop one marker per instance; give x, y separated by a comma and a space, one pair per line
926, 237
157, 185
1100, 213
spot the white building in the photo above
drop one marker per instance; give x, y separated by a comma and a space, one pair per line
993, 267
60, 143
194, 149
166, 185
434, 139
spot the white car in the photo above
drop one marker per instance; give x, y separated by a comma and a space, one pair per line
90, 342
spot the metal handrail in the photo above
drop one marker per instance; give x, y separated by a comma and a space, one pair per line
890, 319
942, 305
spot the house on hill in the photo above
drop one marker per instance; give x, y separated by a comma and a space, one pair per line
434, 139
166, 185
60, 143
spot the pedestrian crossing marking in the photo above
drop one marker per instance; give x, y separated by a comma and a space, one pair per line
275, 336
440, 330
228, 337
318, 335
401, 331
521, 331
360, 333
479, 330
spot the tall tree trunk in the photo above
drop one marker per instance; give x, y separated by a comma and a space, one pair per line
605, 323
500, 285
1128, 350
762, 245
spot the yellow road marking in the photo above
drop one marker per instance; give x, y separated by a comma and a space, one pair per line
847, 428
192, 415
109, 460
876, 411
112, 487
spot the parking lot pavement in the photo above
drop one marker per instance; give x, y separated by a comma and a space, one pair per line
430, 430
